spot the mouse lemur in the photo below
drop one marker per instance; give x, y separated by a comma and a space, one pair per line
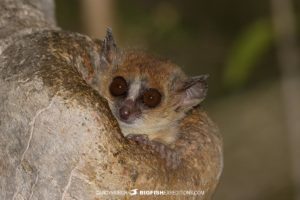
147, 95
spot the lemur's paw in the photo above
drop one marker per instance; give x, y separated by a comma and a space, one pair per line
140, 139
171, 157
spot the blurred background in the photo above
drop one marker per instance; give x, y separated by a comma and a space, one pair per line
250, 48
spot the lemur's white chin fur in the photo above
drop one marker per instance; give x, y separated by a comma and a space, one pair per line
163, 130
165, 133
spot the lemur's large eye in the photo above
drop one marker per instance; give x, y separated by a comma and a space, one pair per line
151, 97
118, 86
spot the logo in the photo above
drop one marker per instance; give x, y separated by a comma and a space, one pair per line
133, 192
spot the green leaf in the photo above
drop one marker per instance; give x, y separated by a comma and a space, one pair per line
246, 52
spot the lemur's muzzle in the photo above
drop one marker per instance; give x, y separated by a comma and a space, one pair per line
129, 111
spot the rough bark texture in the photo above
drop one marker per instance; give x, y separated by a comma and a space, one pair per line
58, 139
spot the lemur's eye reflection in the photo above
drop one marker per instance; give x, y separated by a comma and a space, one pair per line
151, 97
118, 86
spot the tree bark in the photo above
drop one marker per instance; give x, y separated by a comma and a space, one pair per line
58, 138
288, 59
97, 16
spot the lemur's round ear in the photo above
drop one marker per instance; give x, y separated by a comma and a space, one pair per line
193, 92
108, 48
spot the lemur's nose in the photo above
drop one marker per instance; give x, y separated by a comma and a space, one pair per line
126, 109
124, 112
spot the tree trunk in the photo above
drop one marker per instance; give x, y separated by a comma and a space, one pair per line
288, 59
97, 15
58, 138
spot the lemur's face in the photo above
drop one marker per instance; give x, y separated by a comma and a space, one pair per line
146, 93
